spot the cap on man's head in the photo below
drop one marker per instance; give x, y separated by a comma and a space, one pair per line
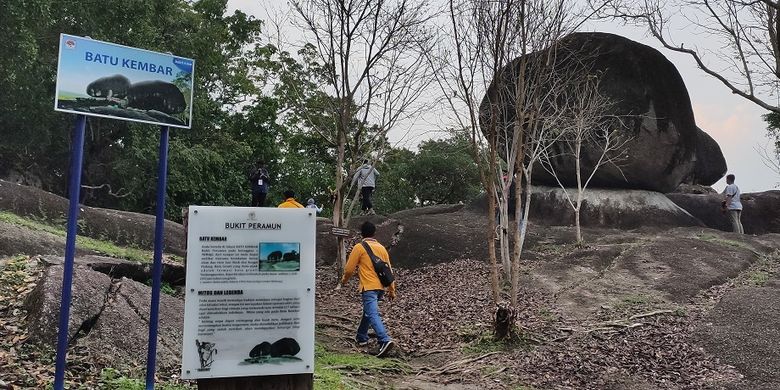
367, 229
310, 201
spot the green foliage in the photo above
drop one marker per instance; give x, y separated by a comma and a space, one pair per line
444, 172
773, 129
441, 172
251, 101
394, 190
165, 287
111, 379
207, 163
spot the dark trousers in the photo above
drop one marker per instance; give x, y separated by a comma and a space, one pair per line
366, 193
258, 199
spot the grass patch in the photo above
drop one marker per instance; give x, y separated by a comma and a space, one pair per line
723, 241
547, 315
111, 379
103, 247
634, 300
757, 278
165, 287
333, 370
551, 249
480, 340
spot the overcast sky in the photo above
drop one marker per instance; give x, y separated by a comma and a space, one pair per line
733, 122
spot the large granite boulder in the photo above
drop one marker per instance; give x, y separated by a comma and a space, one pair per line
710, 164
645, 91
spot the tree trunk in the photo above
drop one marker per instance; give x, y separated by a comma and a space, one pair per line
338, 219
504, 321
578, 162
494, 282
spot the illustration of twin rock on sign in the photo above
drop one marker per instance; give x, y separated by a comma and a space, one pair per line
145, 95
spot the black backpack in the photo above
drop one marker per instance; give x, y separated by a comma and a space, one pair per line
380, 267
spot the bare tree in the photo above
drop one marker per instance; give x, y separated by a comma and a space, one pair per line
770, 158
744, 53
504, 50
590, 138
372, 54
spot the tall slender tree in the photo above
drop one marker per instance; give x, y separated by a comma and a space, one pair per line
371, 52
505, 51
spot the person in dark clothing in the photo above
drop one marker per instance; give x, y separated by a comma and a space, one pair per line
365, 178
259, 181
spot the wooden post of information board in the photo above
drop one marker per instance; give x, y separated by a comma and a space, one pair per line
272, 382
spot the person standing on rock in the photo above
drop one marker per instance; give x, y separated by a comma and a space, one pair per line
258, 179
310, 204
733, 204
365, 177
370, 288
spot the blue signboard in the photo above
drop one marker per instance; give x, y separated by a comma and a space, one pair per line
113, 81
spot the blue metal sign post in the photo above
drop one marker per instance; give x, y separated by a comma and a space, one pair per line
107, 80
159, 225
74, 191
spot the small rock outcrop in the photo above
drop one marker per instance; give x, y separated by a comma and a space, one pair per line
89, 292
760, 214
625, 209
663, 145
109, 316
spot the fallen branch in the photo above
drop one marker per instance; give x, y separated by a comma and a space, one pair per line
332, 325
454, 365
615, 327
336, 316
431, 352
362, 383
650, 314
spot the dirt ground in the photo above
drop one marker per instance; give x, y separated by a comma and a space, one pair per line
630, 310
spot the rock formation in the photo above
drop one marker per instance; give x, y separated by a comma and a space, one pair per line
645, 90
760, 214
119, 227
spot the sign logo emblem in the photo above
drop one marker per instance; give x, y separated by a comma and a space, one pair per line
70, 43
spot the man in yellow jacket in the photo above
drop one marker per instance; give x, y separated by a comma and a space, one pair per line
289, 201
370, 288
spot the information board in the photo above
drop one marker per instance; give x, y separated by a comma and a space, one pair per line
249, 304
113, 81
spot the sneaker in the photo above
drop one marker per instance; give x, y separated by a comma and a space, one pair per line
385, 348
361, 343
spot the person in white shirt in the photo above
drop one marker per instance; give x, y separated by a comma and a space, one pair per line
733, 204
311, 205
